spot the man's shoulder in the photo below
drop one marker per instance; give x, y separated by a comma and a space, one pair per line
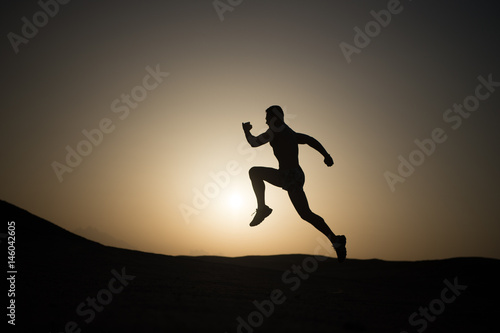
281, 129
283, 134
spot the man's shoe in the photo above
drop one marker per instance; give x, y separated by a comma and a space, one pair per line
339, 243
260, 215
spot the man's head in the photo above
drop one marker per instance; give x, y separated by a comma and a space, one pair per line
274, 115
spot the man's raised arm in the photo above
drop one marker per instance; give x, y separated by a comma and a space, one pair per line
255, 141
313, 143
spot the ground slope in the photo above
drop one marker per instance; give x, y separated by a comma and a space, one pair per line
66, 283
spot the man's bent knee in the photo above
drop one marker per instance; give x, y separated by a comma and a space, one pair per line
254, 172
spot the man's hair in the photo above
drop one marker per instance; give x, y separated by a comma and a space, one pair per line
276, 111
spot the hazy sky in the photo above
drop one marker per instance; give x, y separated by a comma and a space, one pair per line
125, 116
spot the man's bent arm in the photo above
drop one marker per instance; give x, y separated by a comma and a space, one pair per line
312, 142
256, 141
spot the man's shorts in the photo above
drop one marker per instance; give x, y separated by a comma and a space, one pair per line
292, 179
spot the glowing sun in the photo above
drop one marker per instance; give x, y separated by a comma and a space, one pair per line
235, 200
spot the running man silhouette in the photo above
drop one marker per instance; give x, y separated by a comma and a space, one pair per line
290, 176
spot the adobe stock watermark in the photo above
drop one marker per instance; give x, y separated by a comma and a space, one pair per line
373, 28
30, 28
453, 117
95, 136
220, 179
292, 279
222, 6
425, 315
89, 308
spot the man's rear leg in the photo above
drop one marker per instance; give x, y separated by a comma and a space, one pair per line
299, 201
